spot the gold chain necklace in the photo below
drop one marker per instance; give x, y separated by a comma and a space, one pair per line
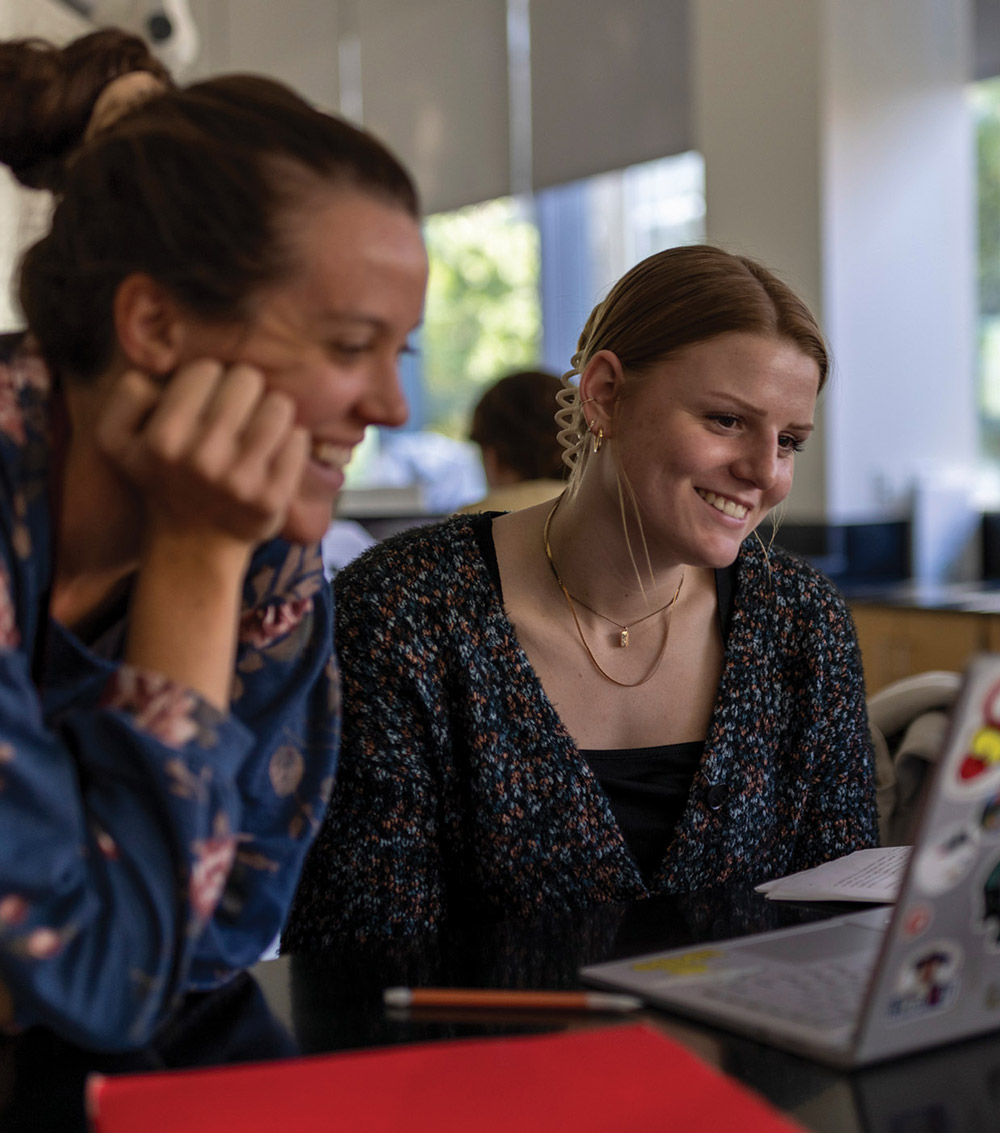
623, 639
624, 628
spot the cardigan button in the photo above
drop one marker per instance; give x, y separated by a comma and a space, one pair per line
717, 796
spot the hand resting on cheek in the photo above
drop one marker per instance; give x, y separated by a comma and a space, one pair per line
213, 453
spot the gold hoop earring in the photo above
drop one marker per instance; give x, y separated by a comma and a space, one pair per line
599, 439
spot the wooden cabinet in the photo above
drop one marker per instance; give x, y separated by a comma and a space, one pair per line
899, 641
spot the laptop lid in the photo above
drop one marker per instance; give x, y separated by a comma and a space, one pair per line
938, 978
937, 973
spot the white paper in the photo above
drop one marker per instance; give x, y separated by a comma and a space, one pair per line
865, 875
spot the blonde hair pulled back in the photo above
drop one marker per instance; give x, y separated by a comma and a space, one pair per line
675, 299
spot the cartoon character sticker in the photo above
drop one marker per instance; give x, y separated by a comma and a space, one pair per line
977, 768
927, 982
948, 858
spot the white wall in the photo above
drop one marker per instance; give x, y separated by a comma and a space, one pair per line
293, 40
757, 91
899, 249
838, 149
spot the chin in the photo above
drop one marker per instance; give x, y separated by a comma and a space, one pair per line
306, 524
720, 557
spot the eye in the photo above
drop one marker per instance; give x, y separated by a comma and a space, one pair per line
348, 349
788, 443
725, 421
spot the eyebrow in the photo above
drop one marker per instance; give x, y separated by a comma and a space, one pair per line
752, 411
349, 317
329, 318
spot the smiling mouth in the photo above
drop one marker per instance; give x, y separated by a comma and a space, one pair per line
329, 455
726, 506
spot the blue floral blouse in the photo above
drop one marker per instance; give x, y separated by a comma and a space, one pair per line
148, 843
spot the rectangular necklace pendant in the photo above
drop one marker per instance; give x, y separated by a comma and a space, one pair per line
624, 642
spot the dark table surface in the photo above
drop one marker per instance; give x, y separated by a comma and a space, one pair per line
318, 1003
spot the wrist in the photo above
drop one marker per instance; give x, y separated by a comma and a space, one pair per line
184, 611
198, 555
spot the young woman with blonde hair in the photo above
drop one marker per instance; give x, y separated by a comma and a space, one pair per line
622, 692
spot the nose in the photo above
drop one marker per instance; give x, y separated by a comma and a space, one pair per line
758, 464
384, 402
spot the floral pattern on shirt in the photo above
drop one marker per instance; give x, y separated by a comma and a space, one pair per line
277, 620
212, 859
137, 819
11, 420
171, 713
21, 937
262, 628
286, 772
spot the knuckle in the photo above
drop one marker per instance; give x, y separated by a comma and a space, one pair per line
166, 444
246, 377
278, 408
204, 465
199, 371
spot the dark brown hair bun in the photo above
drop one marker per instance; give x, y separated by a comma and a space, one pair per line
47, 94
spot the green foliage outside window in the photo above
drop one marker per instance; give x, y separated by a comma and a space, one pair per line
483, 315
986, 108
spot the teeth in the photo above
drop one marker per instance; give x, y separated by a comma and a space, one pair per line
720, 503
326, 453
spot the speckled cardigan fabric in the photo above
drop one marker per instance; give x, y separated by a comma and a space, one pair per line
460, 788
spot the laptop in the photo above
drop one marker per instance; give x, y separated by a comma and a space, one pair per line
864, 987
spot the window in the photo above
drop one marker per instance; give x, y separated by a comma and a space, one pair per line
511, 284
482, 319
985, 99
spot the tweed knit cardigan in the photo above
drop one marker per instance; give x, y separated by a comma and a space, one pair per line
460, 788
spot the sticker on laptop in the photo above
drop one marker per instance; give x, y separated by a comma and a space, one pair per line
917, 920
694, 967
698, 962
989, 820
927, 982
991, 905
949, 857
977, 767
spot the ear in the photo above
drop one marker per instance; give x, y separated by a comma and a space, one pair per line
148, 324
601, 386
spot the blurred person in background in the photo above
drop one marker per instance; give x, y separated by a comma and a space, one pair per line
515, 428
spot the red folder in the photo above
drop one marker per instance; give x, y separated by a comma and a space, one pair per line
609, 1079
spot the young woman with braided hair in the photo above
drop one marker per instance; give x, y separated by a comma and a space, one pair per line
622, 692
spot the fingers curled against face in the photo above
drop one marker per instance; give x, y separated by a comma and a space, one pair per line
212, 448
126, 410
